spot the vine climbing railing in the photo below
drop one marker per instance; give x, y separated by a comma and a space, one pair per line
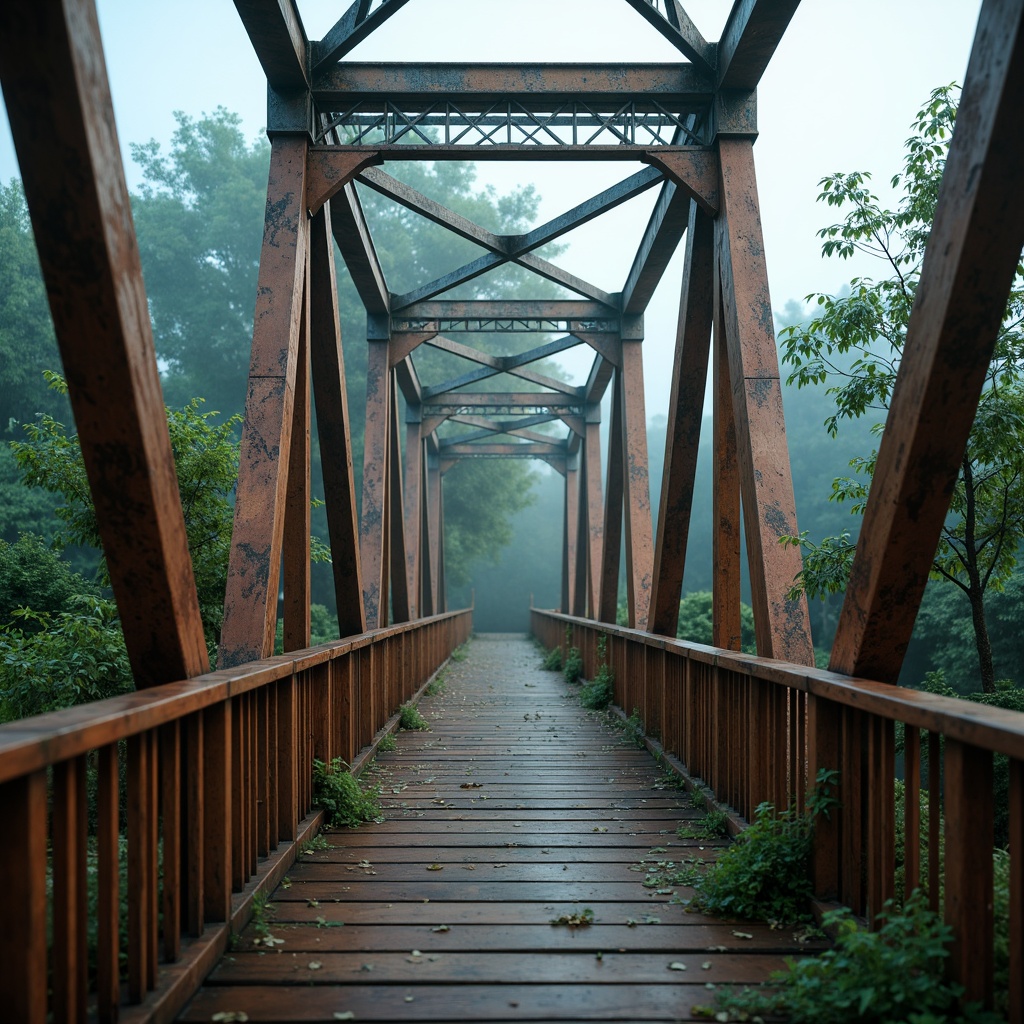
140, 827
756, 730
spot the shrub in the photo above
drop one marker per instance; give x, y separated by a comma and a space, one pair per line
410, 718
892, 975
553, 660
599, 692
572, 667
338, 792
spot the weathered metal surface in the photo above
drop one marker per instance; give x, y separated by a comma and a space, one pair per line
660, 239
508, 309
350, 30
409, 85
570, 525
375, 475
769, 510
726, 622
968, 267
678, 28
296, 551
412, 510
275, 31
333, 429
595, 508
696, 172
353, 237
637, 493
400, 592
511, 400
686, 411
614, 488
250, 605
751, 35
329, 171
55, 84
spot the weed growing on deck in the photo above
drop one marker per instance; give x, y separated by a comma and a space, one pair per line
598, 693
461, 653
410, 718
572, 665
893, 974
714, 825
344, 801
387, 744
553, 660
436, 686
581, 919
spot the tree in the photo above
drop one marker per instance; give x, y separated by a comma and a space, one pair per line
855, 345
206, 460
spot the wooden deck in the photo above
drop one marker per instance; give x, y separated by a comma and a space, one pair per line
517, 807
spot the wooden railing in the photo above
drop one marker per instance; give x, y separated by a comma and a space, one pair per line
756, 730
179, 802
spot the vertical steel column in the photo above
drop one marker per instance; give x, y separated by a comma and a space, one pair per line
595, 506
611, 546
250, 606
570, 528
769, 510
413, 510
400, 593
637, 488
372, 536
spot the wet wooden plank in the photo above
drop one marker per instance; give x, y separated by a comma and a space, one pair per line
473, 878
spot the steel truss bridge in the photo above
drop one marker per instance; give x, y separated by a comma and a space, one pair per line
219, 761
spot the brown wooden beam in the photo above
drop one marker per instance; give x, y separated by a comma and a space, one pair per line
332, 420
250, 605
968, 267
769, 510
58, 99
686, 412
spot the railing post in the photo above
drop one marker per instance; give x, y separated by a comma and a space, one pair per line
968, 866
216, 811
23, 868
823, 753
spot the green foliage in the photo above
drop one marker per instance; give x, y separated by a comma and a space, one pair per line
599, 692
34, 576
387, 744
344, 801
52, 660
572, 663
893, 975
436, 686
855, 345
714, 825
765, 875
633, 727
553, 660
206, 461
461, 653
578, 919
695, 617
410, 718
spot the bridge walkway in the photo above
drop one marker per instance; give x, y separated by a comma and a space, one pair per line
517, 808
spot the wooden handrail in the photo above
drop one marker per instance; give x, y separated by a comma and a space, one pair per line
755, 730
214, 778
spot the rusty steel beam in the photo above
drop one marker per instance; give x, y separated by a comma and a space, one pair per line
501, 399
661, 237
600, 376
372, 520
751, 35
538, 85
403, 344
276, 33
58, 99
328, 171
580, 578
296, 550
333, 429
350, 30
250, 604
608, 582
506, 309
686, 411
353, 237
637, 488
595, 506
570, 526
678, 28
428, 562
769, 509
400, 593
413, 506
726, 619
513, 449
408, 381
695, 171
968, 267
518, 152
